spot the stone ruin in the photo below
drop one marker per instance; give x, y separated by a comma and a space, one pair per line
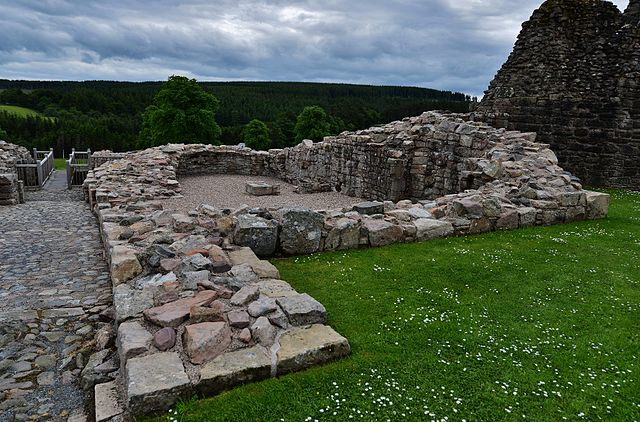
574, 78
198, 310
11, 189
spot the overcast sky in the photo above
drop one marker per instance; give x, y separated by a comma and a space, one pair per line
445, 44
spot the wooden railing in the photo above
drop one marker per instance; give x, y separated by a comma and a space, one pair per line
78, 165
36, 174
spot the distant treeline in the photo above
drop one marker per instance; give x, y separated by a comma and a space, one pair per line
107, 115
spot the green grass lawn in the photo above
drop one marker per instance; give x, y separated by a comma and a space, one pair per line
20, 111
60, 163
538, 324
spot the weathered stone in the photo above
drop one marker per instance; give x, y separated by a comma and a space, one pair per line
164, 339
124, 264
301, 348
238, 319
597, 205
175, 313
130, 303
89, 376
428, 229
104, 337
197, 262
155, 382
203, 342
263, 268
107, 403
275, 288
234, 368
257, 233
205, 314
192, 278
509, 219
301, 230
345, 234
527, 216
369, 208
245, 335
278, 318
264, 332
302, 309
183, 223
133, 340
245, 295
261, 189
381, 233
262, 306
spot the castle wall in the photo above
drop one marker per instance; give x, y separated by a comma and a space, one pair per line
573, 79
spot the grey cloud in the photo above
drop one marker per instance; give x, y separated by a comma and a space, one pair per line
445, 44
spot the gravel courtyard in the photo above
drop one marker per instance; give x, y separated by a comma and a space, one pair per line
226, 191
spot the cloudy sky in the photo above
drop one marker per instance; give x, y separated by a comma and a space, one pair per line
445, 44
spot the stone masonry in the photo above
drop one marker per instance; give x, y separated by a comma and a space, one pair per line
198, 310
574, 78
11, 189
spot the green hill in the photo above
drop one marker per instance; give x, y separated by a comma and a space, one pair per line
19, 111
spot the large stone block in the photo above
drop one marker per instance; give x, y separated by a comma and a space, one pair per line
597, 205
427, 229
107, 401
381, 232
205, 341
130, 303
303, 347
257, 233
301, 231
124, 264
263, 268
133, 340
234, 368
302, 309
369, 208
155, 382
344, 234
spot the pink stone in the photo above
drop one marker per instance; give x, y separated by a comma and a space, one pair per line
169, 264
164, 339
245, 335
175, 313
205, 341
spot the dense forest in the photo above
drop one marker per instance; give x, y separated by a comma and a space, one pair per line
107, 115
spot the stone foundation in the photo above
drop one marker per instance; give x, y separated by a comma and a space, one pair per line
199, 311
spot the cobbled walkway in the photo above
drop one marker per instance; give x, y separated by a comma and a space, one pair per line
54, 284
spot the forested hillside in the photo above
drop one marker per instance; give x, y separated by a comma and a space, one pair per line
107, 115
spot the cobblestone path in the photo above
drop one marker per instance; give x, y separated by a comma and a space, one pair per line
54, 285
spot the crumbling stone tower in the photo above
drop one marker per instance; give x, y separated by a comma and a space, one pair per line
574, 78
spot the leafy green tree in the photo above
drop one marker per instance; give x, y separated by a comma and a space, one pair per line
182, 112
256, 135
3, 134
312, 124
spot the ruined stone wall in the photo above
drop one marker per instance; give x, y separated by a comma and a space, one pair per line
573, 79
417, 158
11, 189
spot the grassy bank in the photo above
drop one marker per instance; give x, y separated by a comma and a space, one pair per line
537, 324
19, 111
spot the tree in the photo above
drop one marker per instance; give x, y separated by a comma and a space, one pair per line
256, 135
311, 124
3, 134
182, 112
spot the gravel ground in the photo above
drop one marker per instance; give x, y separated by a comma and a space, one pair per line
224, 191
